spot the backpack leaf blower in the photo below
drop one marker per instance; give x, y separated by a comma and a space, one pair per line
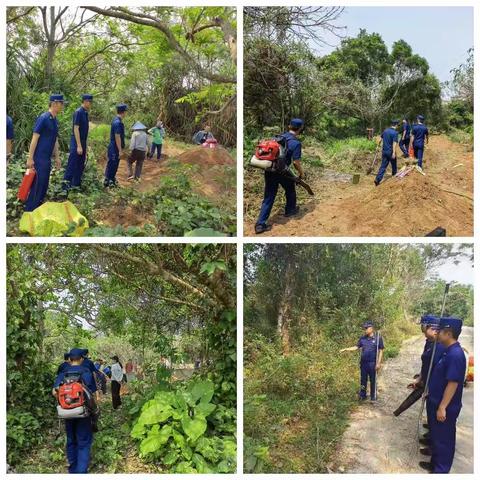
74, 399
270, 155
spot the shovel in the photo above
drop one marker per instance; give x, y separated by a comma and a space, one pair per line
370, 170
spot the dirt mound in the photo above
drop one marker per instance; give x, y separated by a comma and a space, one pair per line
409, 204
206, 156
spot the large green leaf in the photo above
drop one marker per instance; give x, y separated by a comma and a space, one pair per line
194, 427
204, 409
138, 431
201, 464
156, 413
202, 390
156, 440
170, 458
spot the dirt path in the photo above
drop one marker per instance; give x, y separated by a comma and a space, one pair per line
211, 173
378, 442
412, 206
151, 171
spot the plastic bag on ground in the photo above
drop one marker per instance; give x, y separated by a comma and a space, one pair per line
54, 219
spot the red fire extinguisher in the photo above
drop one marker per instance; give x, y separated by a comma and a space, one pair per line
26, 184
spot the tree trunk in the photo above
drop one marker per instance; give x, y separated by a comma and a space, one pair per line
230, 37
283, 318
49, 26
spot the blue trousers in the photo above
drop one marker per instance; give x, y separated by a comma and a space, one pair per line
158, 147
79, 443
367, 372
403, 144
39, 189
112, 163
443, 435
418, 152
74, 170
272, 182
386, 159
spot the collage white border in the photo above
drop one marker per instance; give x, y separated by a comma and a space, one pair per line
240, 240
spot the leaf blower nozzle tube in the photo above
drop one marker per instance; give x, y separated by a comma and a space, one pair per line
409, 401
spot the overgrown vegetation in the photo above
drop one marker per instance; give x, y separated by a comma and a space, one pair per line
149, 303
303, 303
176, 64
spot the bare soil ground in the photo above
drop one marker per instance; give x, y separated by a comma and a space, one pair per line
378, 442
210, 176
412, 206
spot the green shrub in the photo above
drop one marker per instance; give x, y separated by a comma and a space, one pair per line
178, 429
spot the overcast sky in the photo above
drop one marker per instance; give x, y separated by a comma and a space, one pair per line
442, 35
461, 273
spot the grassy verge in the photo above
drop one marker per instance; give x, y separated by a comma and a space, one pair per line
462, 136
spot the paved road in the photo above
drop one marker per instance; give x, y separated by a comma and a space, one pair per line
378, 442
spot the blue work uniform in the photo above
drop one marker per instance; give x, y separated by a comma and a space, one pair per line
426, 358
10, 134
405, 142
419, 132
47, 127
273, 180
389, 139
90, 365
117, 128
76, 162
62, 367
450, 368
368, 362
79, 430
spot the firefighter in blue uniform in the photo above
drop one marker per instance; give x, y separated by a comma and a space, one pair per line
43, 145
273, 180
431, 326
116, 146
419, 139
389, 139
10, 136
444, 400
405, 140
79, 430
371, 346
78, 144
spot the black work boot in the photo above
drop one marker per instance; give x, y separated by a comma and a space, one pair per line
428, 466
426, 451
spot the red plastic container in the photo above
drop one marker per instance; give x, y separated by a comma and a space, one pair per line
26, 185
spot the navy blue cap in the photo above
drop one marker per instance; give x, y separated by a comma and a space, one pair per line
84, 351
454, 323
367, 324
87, 96
66, 356
430, 321
428, 318
421, 118
76, 352
395, 122
56, 97
296, 122
122, 107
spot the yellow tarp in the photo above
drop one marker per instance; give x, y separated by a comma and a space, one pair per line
53, 219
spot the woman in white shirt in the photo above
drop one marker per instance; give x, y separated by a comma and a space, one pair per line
117, 378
